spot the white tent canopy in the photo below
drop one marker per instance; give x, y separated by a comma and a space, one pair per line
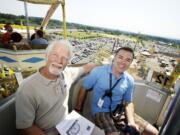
54, 4
49, 2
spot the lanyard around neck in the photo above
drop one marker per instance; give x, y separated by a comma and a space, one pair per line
108, 92
110, 82
111, 88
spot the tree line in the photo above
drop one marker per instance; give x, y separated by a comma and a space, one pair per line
54, 24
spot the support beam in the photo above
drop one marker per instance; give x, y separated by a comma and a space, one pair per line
64, 19
27, 20
49, 14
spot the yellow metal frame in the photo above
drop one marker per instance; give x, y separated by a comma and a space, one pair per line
54, 4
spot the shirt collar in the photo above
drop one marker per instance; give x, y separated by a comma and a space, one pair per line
45, 80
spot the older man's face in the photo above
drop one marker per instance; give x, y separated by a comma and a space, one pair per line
122, 61
58, 59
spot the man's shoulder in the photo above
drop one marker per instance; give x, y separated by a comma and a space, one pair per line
101, 68
44, 41
34, 41
29, 81
128, 76
26, 85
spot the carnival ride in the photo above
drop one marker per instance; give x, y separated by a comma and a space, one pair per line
54, 4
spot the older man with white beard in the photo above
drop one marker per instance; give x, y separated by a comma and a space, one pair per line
41, 100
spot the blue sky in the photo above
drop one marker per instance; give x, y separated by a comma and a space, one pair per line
154, 17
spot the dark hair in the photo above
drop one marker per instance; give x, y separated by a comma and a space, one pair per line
8, 27
16, 37
128, 49
39, 33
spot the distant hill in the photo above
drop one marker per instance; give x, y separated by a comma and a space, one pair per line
36, 21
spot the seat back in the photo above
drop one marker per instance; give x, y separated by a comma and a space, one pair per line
73, 94
7, 118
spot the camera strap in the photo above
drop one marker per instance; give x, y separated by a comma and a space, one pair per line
108, 93
110, 82
111, 88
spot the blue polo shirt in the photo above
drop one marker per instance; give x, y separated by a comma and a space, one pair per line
39, 41
99, 81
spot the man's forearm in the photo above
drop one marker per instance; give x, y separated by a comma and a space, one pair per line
33, 130
130, 112
80, 99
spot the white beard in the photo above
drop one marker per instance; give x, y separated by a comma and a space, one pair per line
55, 69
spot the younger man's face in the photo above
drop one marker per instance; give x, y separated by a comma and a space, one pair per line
122, 60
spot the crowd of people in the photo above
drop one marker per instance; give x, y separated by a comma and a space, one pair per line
6, 37
10, 37
41, 99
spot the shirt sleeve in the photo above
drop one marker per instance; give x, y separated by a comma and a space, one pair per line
71, 74
128, 96
25, 108
90, 80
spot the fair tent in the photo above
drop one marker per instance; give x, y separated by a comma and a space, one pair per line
54, 4
42, 1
